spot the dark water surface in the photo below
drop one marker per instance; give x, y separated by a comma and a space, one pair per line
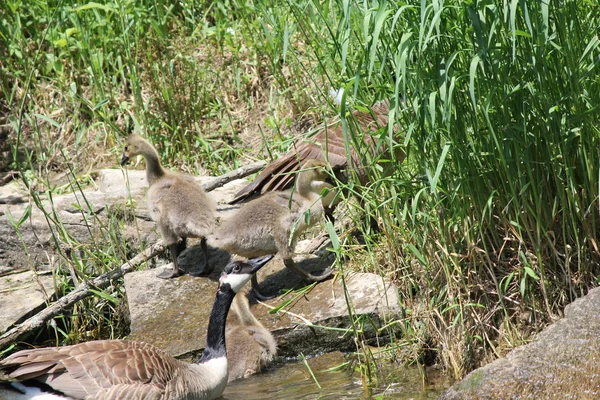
292, 381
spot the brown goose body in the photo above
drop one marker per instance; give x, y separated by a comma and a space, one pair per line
121, 369
111, 369
327, 145
250, 346
178, 205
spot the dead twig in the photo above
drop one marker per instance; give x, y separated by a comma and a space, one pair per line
10, 175
241, 172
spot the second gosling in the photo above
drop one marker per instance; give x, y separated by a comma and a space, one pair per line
250, 346
178, 205
272, 223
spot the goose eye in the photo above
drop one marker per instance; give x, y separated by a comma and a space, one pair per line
237, 268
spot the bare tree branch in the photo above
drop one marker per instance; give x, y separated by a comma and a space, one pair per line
241, 172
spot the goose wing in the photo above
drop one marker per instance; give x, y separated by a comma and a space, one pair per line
98, 369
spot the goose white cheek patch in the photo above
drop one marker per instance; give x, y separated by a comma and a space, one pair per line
236, 281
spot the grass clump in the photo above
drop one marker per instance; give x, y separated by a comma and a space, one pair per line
488, 228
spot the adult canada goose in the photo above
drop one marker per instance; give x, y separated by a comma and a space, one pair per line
120, 369
176, 202
328, 145
250, 345
272, 223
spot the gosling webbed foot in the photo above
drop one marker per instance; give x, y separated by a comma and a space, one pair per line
307, 277
256, 292
175, 271
326, 274
168, 274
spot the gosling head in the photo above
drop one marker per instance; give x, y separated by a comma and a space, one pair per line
134, 146
313, 178
237, 273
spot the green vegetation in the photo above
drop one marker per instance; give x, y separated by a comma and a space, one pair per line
490, 225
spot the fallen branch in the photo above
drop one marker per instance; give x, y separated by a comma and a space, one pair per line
83, 291
241, 172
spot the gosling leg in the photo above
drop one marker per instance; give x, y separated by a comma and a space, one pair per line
176, 271
256, 290
306, 276
206, 268
329, 215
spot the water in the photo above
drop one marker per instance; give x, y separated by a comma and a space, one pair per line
292, 381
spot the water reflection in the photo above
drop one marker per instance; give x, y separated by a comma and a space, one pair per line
292, 381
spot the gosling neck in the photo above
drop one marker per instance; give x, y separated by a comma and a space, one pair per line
242, 310
154, 169
215, 337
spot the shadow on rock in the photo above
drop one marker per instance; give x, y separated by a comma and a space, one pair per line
276, 278
190, 260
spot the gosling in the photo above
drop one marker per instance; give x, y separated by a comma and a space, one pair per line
121, 369
179, 206
250, 346
272, 223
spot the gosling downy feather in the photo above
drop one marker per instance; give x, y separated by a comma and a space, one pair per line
178, 205
120, 369
273, 222
251, 346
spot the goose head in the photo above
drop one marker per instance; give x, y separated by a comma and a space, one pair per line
135, 145
237, 273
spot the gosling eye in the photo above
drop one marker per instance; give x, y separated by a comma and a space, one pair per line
126, 148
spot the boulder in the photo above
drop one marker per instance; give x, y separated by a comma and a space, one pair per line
24, 294
561, 363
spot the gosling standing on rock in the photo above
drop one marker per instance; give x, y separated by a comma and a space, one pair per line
272, 223
176, 202
251, 346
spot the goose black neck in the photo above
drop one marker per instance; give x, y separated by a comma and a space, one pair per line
215, 337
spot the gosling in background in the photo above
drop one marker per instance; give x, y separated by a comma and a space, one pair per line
178, 205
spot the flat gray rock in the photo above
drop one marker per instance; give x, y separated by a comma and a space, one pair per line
562, 362
173, 314
23, 294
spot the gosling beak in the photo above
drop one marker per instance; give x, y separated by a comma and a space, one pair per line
257, 263
124, 160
